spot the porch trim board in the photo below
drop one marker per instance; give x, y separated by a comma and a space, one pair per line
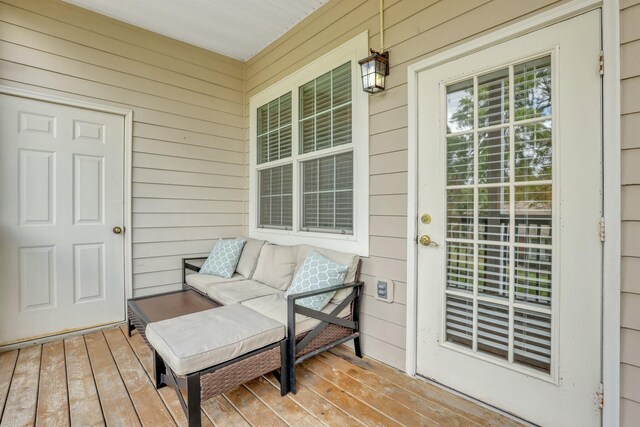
128, 144
612, 208
611, 176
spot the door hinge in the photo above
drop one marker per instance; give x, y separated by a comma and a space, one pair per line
600, 396
601, 227
601, 64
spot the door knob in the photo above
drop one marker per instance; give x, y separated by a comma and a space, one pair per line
426, 241
117, 230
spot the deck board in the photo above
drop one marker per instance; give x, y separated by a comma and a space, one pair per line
84, 403
460, 405
325, 411
222, 413
425, 407
342, 399
116, 403
7, 365
378, 401
252, 409
105, 378
53, 398
20, 407
147, 403
292, 413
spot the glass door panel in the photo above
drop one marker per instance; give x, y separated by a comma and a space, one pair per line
499, 213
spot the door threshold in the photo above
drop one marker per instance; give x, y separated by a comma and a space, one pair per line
60, 336
476, 401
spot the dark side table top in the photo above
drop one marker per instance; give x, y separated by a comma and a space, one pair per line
154, 308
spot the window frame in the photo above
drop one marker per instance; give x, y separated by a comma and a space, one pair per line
358, 242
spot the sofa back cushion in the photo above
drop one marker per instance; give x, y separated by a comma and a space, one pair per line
249, 257
276, 265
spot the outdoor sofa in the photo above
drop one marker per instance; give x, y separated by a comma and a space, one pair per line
255, 297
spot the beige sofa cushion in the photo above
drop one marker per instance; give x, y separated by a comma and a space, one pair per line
249, 257
238, 291
276, 265
275, 307
203, 282
350, 260
200, 340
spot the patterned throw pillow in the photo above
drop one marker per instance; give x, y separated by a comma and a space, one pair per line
224, 257
317, 272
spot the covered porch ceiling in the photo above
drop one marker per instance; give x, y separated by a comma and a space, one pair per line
236, 29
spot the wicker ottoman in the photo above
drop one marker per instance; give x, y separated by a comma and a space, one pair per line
212, 351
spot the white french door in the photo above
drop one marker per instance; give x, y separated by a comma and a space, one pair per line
61, 195
510, 262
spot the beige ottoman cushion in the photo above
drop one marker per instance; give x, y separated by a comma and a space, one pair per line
201, 340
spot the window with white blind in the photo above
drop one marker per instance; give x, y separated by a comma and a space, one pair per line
308, 133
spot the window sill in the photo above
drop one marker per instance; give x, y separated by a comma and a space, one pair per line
340, 242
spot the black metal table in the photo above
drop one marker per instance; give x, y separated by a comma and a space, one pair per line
153, 308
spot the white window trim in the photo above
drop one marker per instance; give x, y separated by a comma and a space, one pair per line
353, 50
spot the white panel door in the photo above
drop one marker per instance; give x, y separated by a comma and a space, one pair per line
509, 290
61, 194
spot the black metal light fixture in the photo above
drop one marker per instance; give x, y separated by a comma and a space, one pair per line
375, 67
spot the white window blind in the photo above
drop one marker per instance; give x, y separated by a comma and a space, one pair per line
325, 110
274, 130
276, 197
328, 194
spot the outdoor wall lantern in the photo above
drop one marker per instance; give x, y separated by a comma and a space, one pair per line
375, 69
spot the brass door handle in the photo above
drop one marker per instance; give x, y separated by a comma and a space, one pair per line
425, 240
117, 230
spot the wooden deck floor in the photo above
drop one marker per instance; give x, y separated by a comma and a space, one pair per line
104, 378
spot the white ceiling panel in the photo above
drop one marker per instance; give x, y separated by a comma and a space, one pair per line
235, 28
